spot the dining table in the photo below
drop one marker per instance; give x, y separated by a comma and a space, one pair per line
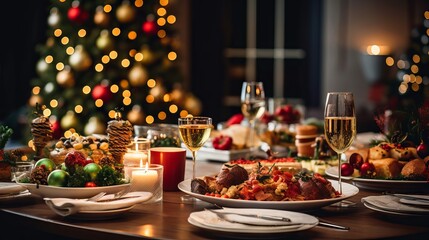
168, 219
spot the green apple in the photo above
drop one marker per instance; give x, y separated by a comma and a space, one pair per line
92, 169
58, 178
47, 162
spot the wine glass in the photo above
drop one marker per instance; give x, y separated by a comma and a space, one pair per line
340, 124
194, 132
252, 105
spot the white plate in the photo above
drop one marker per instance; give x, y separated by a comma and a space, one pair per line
348, 191
71, 192
10, 188
382, 185
208, 220
15, 197
390, 204
100, 215
209, 153
369, 206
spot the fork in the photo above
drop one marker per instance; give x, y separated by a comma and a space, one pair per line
96, 197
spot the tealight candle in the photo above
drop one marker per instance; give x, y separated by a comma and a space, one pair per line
148, 179
133, 159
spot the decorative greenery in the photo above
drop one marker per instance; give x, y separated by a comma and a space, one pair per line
5, 134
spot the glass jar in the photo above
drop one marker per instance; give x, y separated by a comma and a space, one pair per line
160, 135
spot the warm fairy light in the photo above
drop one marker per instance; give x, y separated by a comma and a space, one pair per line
173, 108
36, 90
113, 54
416, 58
415, 87
86, 89
172, 56
112, 114
98, 67
81, 33
414, 69
105, 59
419, 79
150, 119
132, 52
47, 112
377, 50
151, 83
99, 103
49, 59
390, 61
162, 115
124, 83
132, 35
49, 87
166, 97
161, 33
426, 14
107, 8
68, 133
59, 66
69, 51
150, 98
125, 63
116, 31
161, 11
126, 93
401, 64
58, 32
183, 113
171, 19
126, 101
53, 103
406, 78
161, 21
138, 3
65, 40
163, 2
138, 57
78, 108
114, 88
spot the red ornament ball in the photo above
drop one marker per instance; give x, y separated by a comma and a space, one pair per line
149, 27
77, 15
57, 131
102, 92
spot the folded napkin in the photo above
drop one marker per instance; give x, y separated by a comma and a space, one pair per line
69, 206
393, 204
7, 188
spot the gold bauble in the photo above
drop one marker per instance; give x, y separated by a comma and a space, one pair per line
158, 91
54, 17
105, 41
35, 99
125, 13
80, 59
65, 78
192, 104
138, 75
69, 120
136, 115
148, 55
101, 18
95, 126
177, 95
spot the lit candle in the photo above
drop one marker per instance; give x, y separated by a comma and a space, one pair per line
133, 159
144, 179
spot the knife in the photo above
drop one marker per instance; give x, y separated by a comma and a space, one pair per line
412, 196
265, 217
115, 199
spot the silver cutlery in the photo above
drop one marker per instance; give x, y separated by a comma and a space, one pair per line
96, 197
266, 217
332, 225
412, 196
285, 221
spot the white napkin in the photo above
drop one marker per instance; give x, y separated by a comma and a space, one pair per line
11, 188
392, 203
69, 206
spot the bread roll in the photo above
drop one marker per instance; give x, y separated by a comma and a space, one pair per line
403, 153
377, 152
415, 169
387, 168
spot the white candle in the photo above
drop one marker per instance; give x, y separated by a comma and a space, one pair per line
144, 179
133, 159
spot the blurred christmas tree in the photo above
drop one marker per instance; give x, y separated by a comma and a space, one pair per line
103, 55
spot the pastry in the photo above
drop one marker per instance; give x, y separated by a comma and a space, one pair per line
378, 152
387, 168
415, 169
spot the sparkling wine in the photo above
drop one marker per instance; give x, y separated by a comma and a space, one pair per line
340, 132
253, 109
194, 136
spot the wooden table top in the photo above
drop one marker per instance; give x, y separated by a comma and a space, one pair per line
168, 220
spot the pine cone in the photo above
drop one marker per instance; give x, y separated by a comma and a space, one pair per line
42, 133
119, 133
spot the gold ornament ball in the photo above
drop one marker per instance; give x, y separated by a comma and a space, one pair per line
148, 55
104, 41
138, 75
94, 126
136, 116
101, 18
125, 13
69, 120
80, 59
35, 99
192, 104
65, 78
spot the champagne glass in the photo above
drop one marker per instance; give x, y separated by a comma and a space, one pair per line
340, 124
194, 132
252, 105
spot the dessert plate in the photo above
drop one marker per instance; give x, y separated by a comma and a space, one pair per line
348, 191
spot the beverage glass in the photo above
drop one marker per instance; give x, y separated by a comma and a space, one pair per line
252, 105
340, 124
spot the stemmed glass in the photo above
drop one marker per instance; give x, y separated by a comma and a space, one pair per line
252, 105
340, 124
194, 132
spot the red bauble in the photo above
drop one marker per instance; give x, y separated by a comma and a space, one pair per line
149, 27
77, 15
101, 92
57, 131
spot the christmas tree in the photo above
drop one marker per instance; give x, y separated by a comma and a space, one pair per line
101, 56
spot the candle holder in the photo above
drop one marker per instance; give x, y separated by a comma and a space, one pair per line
136, 155
148, 179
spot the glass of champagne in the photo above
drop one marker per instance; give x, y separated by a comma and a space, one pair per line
252, 105
194, 132
340, 124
